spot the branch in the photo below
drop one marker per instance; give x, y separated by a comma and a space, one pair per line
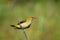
25, 34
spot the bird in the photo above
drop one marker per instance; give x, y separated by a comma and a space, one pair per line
24, 24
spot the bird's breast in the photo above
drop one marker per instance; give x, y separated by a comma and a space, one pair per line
25, 24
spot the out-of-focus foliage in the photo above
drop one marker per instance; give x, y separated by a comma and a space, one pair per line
45, 27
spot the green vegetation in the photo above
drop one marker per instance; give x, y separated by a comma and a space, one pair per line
45, 27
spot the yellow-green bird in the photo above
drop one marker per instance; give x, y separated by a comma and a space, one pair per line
24, 24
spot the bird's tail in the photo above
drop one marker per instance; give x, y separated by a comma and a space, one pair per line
12, 25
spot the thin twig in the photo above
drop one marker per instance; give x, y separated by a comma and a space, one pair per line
19, 21
26, 37
25, 34
13, 5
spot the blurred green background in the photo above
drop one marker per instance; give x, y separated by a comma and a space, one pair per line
45, 27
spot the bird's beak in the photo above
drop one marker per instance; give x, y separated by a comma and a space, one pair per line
33, 17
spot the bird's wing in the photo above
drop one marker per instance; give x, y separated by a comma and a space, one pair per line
21, 22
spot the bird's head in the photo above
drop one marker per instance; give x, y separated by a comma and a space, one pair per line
31, 18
